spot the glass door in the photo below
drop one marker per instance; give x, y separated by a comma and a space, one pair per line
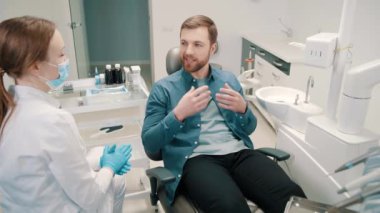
111, 32
78, 26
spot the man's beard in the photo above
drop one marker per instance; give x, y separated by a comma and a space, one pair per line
194, 66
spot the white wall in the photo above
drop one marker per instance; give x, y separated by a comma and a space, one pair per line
231, 17
313, 16
304, 17
57, 11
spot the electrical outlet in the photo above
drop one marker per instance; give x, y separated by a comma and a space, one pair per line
320, 49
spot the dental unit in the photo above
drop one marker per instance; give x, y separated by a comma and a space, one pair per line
337, 135
356, 96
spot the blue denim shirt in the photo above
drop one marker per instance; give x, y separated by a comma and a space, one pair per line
176, 140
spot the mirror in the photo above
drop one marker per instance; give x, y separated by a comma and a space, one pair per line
111, 32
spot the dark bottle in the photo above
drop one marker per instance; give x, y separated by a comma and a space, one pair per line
118, 74
109, 75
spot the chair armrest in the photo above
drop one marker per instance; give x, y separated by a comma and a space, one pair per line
277, 154
161, 174
158, 177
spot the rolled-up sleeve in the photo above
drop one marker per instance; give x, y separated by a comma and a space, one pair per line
246, 121
159, 126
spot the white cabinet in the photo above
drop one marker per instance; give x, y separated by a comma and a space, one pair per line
121, 114
268, 74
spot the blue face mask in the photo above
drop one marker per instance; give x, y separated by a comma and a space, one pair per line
63, 70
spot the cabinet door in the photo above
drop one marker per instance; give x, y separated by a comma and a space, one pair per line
268, 74
262, 73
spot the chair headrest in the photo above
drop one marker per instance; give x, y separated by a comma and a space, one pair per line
173, 61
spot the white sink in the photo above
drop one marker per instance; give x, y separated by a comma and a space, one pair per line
283, 104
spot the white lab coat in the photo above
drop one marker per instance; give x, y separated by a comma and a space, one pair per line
43, 166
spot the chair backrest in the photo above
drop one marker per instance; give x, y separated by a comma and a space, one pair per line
173, 60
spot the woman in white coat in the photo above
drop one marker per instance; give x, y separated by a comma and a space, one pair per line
43, 162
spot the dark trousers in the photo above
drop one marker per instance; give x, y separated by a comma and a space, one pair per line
220, 183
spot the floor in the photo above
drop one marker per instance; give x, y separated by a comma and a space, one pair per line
263, 136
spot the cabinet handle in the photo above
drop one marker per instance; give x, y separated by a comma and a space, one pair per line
258, 74
252, 48
262, 53
278, 64
276, 77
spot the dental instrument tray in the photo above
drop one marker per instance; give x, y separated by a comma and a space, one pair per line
105, 95
106, 91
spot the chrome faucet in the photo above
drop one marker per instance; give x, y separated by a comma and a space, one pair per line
310, 83
287, 30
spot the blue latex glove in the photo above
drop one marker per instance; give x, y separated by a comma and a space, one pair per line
112, 159
107, 149
126, 150
126, 168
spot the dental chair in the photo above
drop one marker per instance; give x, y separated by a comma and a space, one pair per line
160, 176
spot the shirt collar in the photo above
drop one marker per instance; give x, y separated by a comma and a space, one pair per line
36, 94
189, 78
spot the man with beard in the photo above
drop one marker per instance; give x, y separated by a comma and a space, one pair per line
198, 119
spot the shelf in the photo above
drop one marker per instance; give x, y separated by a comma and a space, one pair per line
276, 45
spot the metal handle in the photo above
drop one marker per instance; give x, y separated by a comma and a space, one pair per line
74, 25
261, 53
278, 64
296, 100
252, 48
276, 77
258, 74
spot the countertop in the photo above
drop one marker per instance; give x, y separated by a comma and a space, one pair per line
276, 45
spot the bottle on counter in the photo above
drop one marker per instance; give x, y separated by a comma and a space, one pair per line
118, 77
97, 77
249, 60
109, 75
102, 78
135, 77
127, 79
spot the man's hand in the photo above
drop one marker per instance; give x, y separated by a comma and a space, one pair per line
231, 100
194, 101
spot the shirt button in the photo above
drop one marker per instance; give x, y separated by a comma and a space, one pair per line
186, 157
179, 175
198, 125
242, 124
194, 80
181, 126
196, 142
241, 117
